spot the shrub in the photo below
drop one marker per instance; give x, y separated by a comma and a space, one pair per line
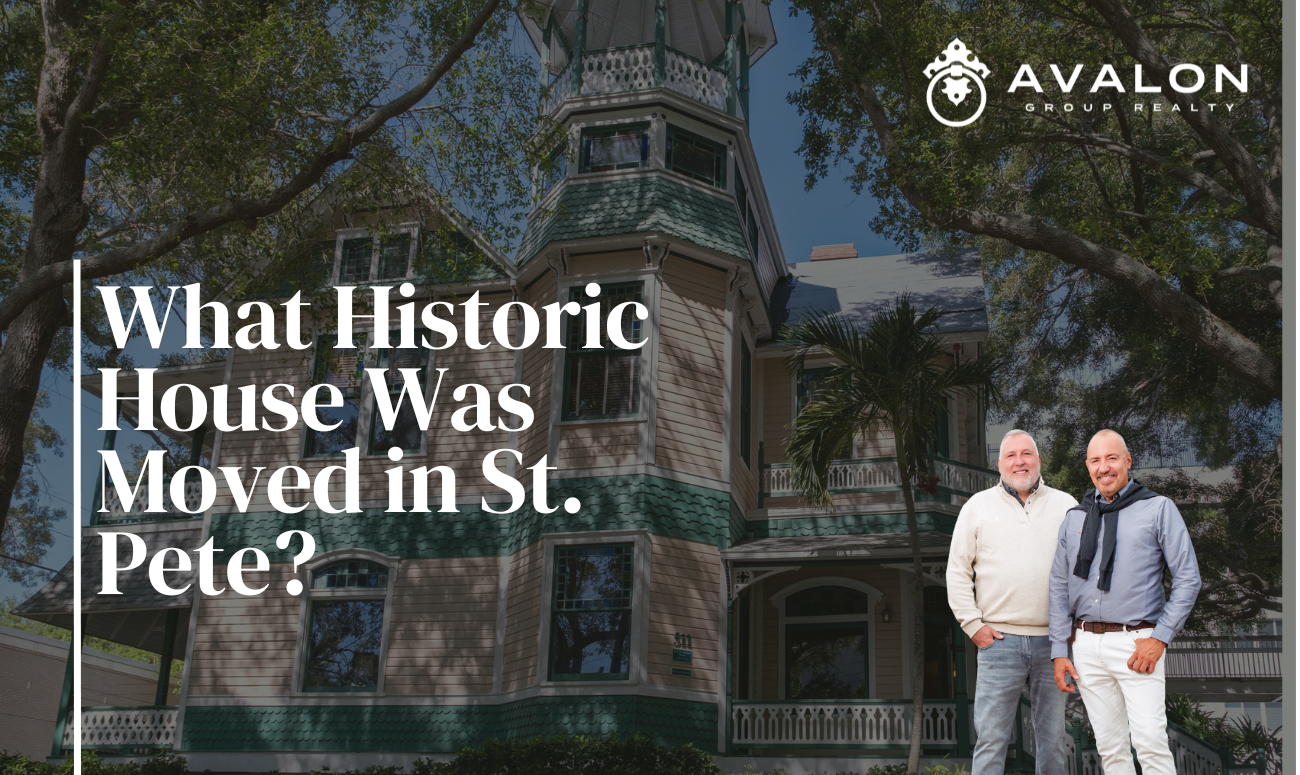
162, 764
574, 755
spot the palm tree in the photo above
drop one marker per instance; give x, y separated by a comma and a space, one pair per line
892, 373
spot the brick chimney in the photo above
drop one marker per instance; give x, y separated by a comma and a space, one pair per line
833, 252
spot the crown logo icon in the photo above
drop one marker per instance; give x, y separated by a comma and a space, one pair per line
960, 72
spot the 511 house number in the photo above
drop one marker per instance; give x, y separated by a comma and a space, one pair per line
681, 652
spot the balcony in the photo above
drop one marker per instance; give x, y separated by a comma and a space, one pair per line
1225, 658
117, 513
880, 475
633, 68
147, 728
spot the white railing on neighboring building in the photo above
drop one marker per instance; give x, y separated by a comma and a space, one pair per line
1225, 658
880, 722
117, 512
152, 726
878, 473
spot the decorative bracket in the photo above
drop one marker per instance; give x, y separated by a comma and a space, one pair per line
746, 577
935, 572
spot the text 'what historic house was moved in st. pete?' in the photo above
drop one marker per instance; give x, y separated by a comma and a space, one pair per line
400, 395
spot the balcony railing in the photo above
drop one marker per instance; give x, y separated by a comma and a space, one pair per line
1225, 658
879, 475
632, 68
143, 727
884, 723
118, 513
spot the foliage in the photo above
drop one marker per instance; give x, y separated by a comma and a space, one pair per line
9, 619
28, 532
894, 372
613, 755
1113, 242
1244, 738
162, 764
1236, 528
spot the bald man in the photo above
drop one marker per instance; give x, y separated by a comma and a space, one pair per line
1107, 596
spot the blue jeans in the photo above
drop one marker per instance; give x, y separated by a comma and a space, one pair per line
1004, 666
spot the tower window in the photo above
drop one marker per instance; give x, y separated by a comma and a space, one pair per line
604, 382
615, 148
591, 613
695, 157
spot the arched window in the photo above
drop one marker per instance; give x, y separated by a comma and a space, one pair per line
345, 626
826, 639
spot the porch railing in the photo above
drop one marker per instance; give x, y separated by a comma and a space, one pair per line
118, 513
878, 475
1225, 658
882, 723
147, 726
632, 68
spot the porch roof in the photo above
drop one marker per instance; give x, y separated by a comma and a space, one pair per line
876, 546
134, 617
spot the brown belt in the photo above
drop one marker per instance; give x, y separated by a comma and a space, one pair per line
1100, 627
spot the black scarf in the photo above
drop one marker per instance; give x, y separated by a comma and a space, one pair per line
1099, 509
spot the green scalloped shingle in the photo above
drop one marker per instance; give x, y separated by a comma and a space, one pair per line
662, 506
443, 728
652, 202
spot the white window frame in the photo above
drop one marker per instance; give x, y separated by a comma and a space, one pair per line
367, 414
310, 595
639, 639
342, 235
648, 352
873, 598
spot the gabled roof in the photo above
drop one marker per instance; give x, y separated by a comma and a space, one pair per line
860, 287
645, 203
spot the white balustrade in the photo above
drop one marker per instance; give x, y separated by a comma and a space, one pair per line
694, 79
835, 723
617, 70
117, 512
1193, 756
845, 475
963, 479
559, 90
142, 727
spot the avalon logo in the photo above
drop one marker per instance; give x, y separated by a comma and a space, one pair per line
956, 67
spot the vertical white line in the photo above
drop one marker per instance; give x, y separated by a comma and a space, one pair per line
74, 711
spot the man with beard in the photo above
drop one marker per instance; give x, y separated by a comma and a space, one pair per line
1108, 597
998, 567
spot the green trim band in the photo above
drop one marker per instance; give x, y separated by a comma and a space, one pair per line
443, 728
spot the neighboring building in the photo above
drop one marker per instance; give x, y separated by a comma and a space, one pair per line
32, 685
693, 598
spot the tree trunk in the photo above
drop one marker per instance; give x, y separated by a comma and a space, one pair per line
918, 623
59, 213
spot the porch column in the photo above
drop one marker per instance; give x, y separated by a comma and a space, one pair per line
963, 704
544, 66
65, 699
661, 42
165, 664
579, 43
744, 71
110, 441
729, 58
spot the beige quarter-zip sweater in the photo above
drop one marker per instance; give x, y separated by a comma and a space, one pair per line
1000, 559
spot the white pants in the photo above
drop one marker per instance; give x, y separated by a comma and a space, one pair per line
1123, 702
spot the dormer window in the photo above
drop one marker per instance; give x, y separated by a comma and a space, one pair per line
695, 157
375, 258
605, 149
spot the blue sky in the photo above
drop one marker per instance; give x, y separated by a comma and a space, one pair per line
831, 213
